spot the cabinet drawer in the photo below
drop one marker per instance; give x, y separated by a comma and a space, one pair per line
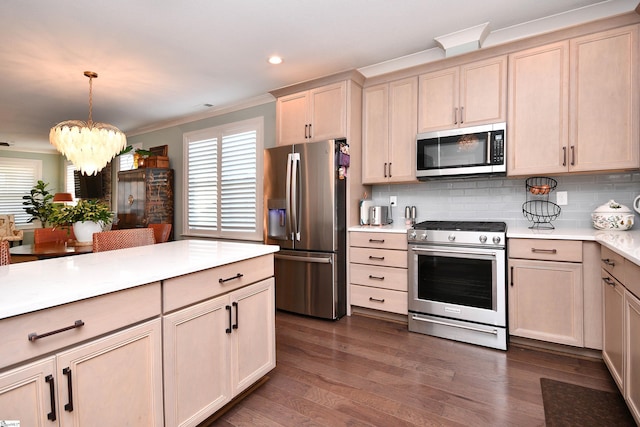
191, 288
100, 315
378, 240
547, 250
379, 299
381, 257
379, 277
613, 263
632, 277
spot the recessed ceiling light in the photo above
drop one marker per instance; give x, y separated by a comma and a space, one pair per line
275, 60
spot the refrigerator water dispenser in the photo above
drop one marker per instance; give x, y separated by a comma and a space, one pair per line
277, 218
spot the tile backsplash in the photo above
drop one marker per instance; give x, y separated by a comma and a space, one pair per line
501, 199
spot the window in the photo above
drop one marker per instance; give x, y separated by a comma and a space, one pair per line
17, 178
70, 181
223, 185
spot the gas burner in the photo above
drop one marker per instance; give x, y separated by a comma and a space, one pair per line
487, 226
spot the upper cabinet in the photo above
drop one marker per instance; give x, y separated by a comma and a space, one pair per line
312, 115
573, 105
467, 95
390, 114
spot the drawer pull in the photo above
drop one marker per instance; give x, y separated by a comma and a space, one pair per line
609, 281
376, 277
608, 262
237, 276
34, 336
376, 299
51, 416
376, 240
228, 330
377, 258
69, 406
544, 251
235, 305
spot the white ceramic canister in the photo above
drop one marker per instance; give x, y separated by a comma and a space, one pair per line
612, 216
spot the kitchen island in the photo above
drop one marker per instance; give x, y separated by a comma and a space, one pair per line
163, 334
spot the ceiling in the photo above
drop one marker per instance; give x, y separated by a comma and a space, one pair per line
162, 61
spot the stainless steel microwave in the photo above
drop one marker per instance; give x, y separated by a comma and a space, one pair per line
464, 151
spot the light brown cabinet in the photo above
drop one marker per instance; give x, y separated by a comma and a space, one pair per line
621, 325
468, 95
390, 114
83, 385
546, 290
378, 271
312, 115
217, 348
568, 112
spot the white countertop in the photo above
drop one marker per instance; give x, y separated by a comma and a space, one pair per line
36, 285
396, 227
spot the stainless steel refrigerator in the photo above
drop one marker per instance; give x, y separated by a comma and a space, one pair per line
305, 200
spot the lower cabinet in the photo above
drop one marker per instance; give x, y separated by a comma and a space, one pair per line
632, 352
216, 349
109, 381
613, 330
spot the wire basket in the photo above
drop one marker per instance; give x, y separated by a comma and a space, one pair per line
540, 185
541, 213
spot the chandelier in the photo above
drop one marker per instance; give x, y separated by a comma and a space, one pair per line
88, 145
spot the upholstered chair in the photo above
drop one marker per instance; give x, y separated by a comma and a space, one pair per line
8, 230
120, 239
161, 231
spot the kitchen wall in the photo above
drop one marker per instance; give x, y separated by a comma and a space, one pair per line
501, 199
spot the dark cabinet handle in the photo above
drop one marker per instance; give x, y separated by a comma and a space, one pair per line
235, 305
376, 240
237, 276
608, 262
564, 156
69, 406
609, 281
511, 281
385, 169
51, 416
34, 336
461, 115
376, 277
228, 308
310, 130
389, 169
573, 155
544, 251
377, 258
376, 299
305, 131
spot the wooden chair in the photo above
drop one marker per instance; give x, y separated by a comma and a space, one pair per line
120, 239
161, 231
49, 234
5, 255
8, 230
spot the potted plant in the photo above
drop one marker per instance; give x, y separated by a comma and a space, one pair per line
87, 217
39, 203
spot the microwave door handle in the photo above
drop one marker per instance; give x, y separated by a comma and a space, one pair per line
489, 143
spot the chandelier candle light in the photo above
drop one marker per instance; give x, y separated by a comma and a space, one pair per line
88, 145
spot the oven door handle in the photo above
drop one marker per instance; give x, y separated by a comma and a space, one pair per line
466, 253
471, 328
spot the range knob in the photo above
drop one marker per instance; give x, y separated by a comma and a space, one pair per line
452, 237
412, 235
496, 239
424, 236
483, 239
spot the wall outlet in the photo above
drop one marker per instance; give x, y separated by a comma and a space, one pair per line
393, 200
562, 198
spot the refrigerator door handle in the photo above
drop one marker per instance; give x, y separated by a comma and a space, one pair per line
288, 208
295, 178
317, 260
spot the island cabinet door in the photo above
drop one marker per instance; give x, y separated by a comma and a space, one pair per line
113, 381
196, 361
253, 351
27, 394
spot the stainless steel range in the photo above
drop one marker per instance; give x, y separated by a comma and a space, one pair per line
457, 281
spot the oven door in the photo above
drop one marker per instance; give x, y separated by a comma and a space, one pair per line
459, 283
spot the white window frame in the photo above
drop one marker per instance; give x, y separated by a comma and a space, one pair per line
218, 132
18, 210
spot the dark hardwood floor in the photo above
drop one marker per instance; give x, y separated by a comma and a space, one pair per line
361, 371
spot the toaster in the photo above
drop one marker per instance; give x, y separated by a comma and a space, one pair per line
379, 215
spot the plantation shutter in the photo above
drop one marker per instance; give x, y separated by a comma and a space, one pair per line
238, 182
17, 178
202, 184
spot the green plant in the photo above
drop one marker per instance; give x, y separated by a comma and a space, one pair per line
84, 210
38, 203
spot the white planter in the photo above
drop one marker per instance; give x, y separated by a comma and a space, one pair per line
84, 231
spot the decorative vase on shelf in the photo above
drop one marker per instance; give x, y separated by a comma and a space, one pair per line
84, 230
